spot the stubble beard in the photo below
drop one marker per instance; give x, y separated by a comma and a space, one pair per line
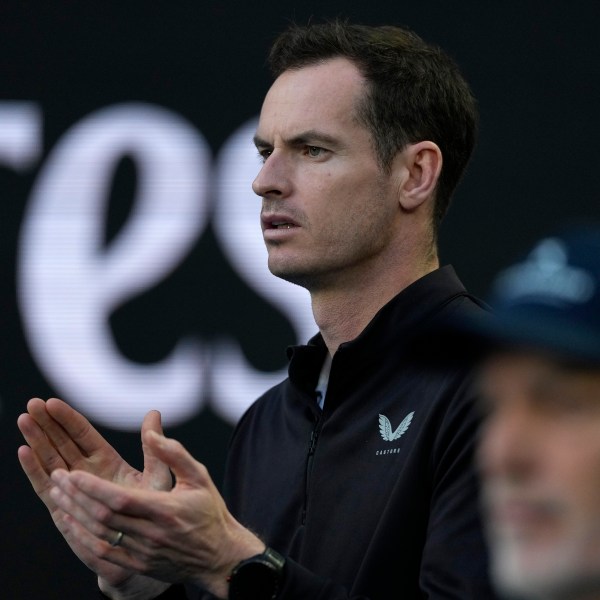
308, 278
339, 262
555, 573
335, 270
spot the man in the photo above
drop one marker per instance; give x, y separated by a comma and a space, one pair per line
540, 448
352, 477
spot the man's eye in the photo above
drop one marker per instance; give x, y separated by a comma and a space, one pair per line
264, 154
314, 151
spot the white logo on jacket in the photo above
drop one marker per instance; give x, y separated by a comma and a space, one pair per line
385, 427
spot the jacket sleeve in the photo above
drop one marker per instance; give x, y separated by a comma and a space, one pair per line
455, 555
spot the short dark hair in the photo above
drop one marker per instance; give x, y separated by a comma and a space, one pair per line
416, 91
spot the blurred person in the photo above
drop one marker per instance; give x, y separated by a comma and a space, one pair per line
354, 476
539, 452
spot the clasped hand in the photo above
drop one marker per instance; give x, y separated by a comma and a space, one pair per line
183, 533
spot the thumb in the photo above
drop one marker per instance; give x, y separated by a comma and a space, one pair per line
156, 472
187, 470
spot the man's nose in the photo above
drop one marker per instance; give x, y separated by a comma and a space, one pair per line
273, 180
507, 446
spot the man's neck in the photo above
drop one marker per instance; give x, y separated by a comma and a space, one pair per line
342, 312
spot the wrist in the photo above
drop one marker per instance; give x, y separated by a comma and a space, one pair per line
258, 577
243, 546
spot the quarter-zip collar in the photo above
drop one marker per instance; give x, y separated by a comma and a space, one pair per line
390, 329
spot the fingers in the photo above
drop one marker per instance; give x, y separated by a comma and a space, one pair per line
78, 435
39, 442
152, 422
167, 535
61, 439
99, 551
115, 529
140, 503
55, 445
101, 498
43, 486
64, 438
36, 474
93, 514
57, 436
186, 469
157, 474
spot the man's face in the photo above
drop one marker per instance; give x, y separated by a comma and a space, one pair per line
539, 457
328, 210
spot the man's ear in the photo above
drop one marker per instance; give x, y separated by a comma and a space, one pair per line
422, 165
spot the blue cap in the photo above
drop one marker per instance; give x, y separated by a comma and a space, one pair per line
548, 301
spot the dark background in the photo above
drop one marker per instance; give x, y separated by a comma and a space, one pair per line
533, 66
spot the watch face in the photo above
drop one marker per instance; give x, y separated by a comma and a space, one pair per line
257, 578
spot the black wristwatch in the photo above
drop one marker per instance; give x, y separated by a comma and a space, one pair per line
258, 577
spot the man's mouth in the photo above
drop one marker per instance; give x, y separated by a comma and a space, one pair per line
277, 222
522, 513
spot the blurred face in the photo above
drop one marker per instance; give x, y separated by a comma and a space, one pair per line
539, 458
328, 211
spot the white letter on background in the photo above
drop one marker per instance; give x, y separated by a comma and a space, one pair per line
20, 134
69, 285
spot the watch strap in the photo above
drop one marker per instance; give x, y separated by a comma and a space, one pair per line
271, 563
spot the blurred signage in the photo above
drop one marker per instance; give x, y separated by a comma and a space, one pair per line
69, 281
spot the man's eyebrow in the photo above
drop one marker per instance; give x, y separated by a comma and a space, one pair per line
313, 136
260, 143
309, 137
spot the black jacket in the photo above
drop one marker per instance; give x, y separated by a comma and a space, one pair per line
358, 515
375, 496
